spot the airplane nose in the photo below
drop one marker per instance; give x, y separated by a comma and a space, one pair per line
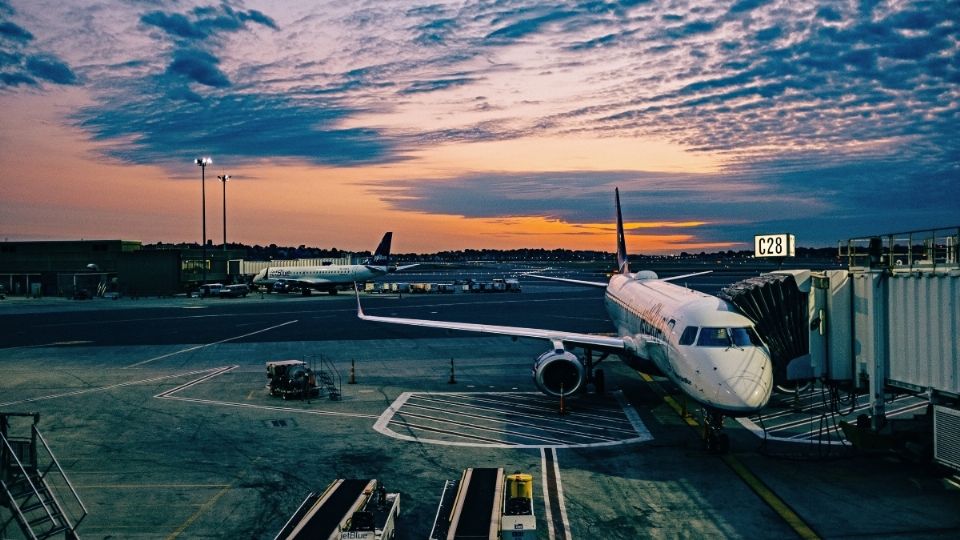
746, 388
750, 390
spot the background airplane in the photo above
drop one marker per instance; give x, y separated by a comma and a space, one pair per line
698, 341
330, 277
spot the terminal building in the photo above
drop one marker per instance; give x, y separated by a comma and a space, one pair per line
78, 268
95, 267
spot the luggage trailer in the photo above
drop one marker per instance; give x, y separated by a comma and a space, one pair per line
347, 509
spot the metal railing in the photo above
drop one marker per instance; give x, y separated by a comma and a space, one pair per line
55, 463
24, 474
927, 250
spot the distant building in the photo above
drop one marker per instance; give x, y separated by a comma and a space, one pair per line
69, 267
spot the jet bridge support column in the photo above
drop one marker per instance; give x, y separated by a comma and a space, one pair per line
870, 337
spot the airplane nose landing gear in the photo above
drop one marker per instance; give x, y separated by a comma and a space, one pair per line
715, 440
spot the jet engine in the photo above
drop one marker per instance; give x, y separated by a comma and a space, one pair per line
556, 369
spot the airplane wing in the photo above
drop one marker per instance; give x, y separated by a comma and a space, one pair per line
681, 276
568, 280
568, 338
389, 269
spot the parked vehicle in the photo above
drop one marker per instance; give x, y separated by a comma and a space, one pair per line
234, 291
210, 289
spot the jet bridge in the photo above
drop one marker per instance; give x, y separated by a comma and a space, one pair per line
888, 323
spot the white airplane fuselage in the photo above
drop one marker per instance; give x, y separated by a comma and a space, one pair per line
732, 375
318, 276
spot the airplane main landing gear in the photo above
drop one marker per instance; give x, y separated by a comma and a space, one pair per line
594, 375
714, 439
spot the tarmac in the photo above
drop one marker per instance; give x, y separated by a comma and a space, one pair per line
157, 411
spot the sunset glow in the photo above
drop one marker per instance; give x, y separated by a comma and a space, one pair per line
473, 125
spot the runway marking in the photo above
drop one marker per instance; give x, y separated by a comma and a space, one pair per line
200, 511
753, 482
552, 430
268, 407
54, 344
512, 422
188, 349
553, 495
105, 388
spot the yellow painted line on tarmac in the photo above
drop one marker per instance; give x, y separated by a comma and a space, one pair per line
206, 506
250, 395
766, 494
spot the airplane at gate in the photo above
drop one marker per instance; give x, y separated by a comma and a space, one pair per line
698, 341
330, 277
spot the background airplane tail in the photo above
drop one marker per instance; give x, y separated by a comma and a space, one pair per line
622, 265
382, 254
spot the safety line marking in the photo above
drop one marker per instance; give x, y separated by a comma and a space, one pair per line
382, 426
200, 511
768, 496
551, 471
195, 347
753, 482
169, 394
105, 388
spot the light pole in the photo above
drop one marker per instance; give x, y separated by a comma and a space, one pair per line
202, 163
224, 178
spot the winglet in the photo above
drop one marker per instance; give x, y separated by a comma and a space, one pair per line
622, 265
356, 290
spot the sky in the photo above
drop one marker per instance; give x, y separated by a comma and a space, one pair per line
479, 124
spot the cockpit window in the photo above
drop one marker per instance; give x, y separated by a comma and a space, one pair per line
714, 337
744, 337
729, 337
689, 335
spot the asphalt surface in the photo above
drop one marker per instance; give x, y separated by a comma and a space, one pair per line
157, 411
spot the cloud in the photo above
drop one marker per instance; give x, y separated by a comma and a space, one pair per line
49, 68
524, 27
11, 31
16, 79
815, 108
416, 87
198, 66
240, 128
205, 21
22, 64
174, 24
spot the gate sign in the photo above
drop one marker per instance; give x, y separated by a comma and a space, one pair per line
773, 245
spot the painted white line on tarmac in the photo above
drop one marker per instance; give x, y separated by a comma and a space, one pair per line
105, 388
267, 407
195, 347
169, 394
382, 426
551, 534
563, 505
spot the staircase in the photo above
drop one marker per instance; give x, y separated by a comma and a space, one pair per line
328, 377
33, 486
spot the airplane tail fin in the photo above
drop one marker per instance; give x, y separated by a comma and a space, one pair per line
382, 254
622, 265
